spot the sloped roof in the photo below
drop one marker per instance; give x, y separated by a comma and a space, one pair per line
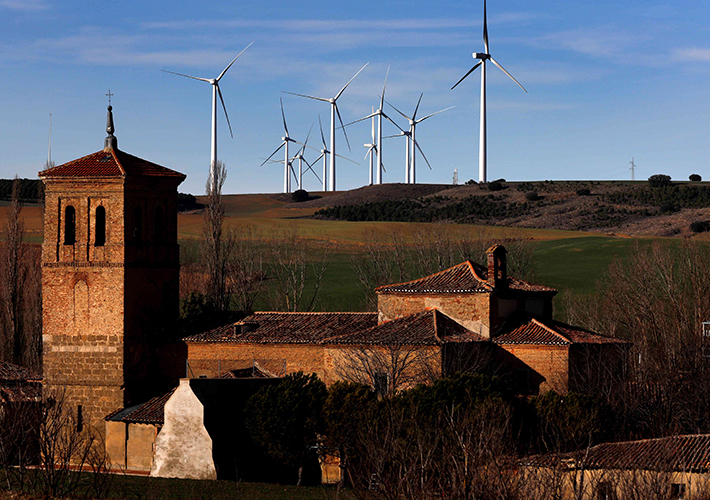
429, 327
674, 453
110, 163
289, 327
151, 412
467, 277
526, 330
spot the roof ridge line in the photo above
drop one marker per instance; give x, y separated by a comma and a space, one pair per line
549, 329
118, 162
423, 277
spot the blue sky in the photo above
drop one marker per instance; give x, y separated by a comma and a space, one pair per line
607, 81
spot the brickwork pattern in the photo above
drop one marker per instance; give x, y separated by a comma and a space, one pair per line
550, 362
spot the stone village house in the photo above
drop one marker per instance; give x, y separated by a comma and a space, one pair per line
110, 269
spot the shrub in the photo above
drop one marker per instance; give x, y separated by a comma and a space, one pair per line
695, 178
471, 182
699, 226
299, 195
583, 192
499, 180
659, 180
532, 196
666, 207
495, 186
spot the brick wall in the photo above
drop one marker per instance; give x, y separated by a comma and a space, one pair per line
551, 363
471, 310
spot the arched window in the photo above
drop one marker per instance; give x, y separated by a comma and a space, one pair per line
100, 227
137, 235
158, 226
69, 225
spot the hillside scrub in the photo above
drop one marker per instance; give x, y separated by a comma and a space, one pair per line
680, 196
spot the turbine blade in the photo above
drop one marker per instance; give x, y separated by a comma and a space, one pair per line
398, 111
436, 113
485, 27
393, 122
283, 115
309, 147
346, 85
314, 172
230, 64
321, 156
511, 76
186, 76
272, 154
307, 96
382, 99
361, 119
320, 124
422, 152
305, 143
341, 123
225, 109
347, 159
414, 116
469, 72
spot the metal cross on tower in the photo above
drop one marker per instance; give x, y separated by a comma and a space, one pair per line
109, 96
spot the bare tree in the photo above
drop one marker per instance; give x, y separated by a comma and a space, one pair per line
217, 246
297, 271
246, 270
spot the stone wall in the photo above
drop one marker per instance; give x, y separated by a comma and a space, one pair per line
549, 362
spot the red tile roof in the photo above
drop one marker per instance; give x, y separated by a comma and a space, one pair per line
535, 331
288, 328
690, 453
429, 327
152, 412
467, 277
110, 163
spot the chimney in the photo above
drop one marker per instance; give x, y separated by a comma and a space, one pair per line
497, 267
245, 327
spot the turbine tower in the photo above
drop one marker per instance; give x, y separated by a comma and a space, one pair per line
333, 101
324, 154
215, 90
484, 57
379, 113
411, 174
371, 149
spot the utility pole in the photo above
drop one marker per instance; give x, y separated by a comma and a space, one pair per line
633, 169
456, 177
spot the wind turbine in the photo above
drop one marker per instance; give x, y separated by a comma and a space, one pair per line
333, 111
324, 154
411, 175
379, 113
482, 152
215, 90
286, 139
301, 159
371, 148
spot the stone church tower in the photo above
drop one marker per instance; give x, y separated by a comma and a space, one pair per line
110, 269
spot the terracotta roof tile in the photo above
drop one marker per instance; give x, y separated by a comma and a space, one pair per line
151, 412
109, 163
689, 453
467, 277
429, 327
536, 331
288, 328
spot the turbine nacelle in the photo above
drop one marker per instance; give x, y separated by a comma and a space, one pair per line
481, 56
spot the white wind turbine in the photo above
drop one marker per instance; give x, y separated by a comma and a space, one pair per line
483, 152
379, 113
215, 90
371, 148
324, 154
286, 139
411, 165
301, 159
333, 111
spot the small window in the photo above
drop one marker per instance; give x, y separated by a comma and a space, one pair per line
79, 419
137, 235
69, 225
158, 226
100, 228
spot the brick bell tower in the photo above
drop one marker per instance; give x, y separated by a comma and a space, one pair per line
110, 269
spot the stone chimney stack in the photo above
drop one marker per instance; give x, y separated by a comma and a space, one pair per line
497, 267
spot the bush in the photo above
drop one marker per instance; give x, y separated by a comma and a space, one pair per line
499, 180
667, 207
532, 196
471, 182
495, 186
695, 178
583, 192
299, 195
659, 180
699, 226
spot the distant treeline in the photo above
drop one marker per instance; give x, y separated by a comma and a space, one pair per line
31, 190
675, 195
437, 208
